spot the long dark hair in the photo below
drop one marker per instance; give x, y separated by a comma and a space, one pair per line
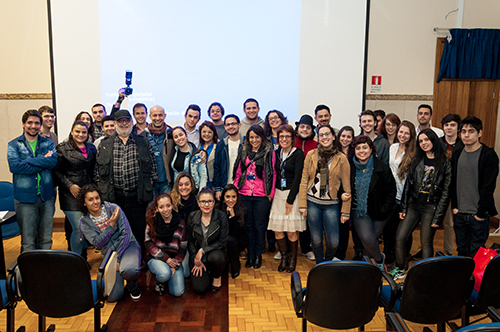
239, 208
71, 140
210, 126
267, 128
91, 128
437, 148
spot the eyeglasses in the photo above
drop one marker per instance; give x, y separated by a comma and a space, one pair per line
324, 135
272, 118
285, 137
232, 124
207, 203
387, 124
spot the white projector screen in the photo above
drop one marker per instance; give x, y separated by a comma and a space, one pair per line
290, 55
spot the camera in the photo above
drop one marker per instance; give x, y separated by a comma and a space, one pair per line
128, 82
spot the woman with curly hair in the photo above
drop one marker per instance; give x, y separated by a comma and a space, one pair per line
166, 244
106, 227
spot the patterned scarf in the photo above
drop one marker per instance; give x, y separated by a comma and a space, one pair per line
362, 183
324, 158
160, 131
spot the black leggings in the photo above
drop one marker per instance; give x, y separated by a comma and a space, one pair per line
215, 263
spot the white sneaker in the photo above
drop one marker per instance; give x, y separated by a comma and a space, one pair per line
277, 255
310, 256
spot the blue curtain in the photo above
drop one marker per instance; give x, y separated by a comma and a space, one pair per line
471, 53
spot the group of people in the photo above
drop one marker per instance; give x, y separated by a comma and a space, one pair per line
187, 201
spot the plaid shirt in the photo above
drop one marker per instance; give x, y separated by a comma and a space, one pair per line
126, 164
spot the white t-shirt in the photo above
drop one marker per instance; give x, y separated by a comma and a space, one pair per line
232, 148
394, 165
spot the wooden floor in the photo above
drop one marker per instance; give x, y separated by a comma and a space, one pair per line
258, 300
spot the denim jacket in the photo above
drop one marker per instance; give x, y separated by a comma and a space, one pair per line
192, 165
25, 167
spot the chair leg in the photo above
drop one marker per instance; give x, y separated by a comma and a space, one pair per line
97, 318
361, 328
41, 323
304, 324
11, 320
441, 327
465, 316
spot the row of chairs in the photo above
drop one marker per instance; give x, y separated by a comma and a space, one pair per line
56, 284
347, 294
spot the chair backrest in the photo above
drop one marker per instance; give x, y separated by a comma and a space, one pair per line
487, 327
436, 288
55, 283
6, 196
489, 292
343, 294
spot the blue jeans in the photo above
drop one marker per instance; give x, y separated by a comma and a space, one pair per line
163, 273
160, 187
471, 233
35, 219
368, 231
256, 223
129, 270
327, 218
76, 239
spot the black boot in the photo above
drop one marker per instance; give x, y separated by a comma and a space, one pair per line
292, 247
283, 248
249, 263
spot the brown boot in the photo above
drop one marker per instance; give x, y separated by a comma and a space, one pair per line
283, 248
292, 247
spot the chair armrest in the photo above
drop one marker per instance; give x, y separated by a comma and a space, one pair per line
13, 279
394, 292
106, 275
493, 313
297, 294
397, 322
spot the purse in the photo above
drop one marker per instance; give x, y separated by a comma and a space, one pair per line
482, 258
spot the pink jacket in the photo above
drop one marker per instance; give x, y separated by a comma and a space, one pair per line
254, 187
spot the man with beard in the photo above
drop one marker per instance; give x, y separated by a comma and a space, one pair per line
368, 125
226, 153
140, 113
159, 135
251, 109
98, 113
126, 170
424, 117
305, 134
31, 158
323, 116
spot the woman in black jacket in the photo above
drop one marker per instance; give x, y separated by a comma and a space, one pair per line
374, 192
208, 230
75, 168
425, 197
237, 240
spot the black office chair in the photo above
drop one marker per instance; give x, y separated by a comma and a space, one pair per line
488, 327
488, 297
340, 295
9, 300
434, 291
56, 283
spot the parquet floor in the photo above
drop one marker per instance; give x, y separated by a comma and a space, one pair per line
259, 300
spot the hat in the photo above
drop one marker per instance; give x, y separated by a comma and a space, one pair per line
306, 119
122, 114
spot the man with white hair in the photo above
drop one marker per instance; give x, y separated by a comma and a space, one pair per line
126, 169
